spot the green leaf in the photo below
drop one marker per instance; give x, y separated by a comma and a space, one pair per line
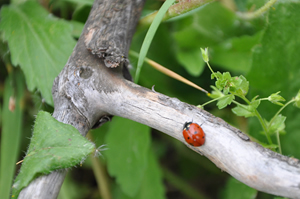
54, 145
128, 145
204, 28
235, 53
224, 101
77, 28
246, 110
276, 61
297, 100
191, 60
277, 125
223, 82
290, 141
216, 75
235, 85
11, 129
39, 43
242, 110
255, 103
84, 2
152, 185
236, 189
238, 86
205, 54
275, 98
150, 34
275, 67
242, 87
215, 93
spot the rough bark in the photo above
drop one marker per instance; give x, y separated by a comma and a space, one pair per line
87, 92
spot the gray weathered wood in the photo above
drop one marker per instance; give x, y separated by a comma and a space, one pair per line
111, 40
113, 23
87, 92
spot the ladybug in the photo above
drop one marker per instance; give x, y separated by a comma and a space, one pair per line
193, 134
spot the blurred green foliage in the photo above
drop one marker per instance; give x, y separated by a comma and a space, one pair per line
264, 50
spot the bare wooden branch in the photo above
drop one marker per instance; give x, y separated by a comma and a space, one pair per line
111, 32
230, 149
87, 92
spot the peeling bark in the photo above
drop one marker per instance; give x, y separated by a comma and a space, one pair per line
89, 90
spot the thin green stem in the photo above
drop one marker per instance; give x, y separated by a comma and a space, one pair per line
278, 142
261, 121
257, 13
211, 101
272, 120
211, 70
263, 124
264, 99
245, 99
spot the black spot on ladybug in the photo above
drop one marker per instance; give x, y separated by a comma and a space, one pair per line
188, 137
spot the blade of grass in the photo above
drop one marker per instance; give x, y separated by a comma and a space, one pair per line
12, 115
168, 72
150, 34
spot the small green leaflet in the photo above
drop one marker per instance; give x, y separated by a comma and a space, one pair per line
54, 145
224, 101
246, 110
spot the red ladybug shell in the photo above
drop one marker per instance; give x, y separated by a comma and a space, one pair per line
193, 134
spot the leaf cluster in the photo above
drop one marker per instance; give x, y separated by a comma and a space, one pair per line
227, 88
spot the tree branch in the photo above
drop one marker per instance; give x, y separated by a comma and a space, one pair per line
107, 34
86, 92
